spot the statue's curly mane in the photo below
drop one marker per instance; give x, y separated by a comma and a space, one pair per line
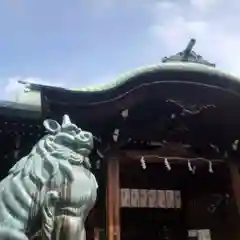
54, 155
46, 161
49, 160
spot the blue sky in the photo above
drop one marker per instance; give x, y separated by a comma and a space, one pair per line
78, 43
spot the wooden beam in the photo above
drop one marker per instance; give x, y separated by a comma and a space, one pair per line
167, 150
113, 200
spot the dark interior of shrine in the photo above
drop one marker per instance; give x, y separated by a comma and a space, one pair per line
206, 202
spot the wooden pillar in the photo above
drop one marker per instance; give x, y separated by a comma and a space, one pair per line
113, 200
235, 180
235, 177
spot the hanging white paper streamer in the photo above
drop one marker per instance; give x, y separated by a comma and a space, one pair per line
124, 113
190, 166
210, 169
235, 145
143, 163
167, 165
115, 135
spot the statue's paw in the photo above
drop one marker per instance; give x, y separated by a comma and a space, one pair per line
49, 204
53, 195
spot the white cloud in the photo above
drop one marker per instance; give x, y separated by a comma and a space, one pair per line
13, 87
214, 23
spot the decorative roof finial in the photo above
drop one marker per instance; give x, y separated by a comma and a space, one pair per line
188, 55
188, 50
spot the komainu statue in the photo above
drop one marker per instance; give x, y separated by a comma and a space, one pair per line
49, 193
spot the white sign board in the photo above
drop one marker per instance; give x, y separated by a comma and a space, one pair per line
192, 233
170, 199
134, 197
204, 234
161, 199
143, 198
125, 197
201, 234
178, 200
150, 198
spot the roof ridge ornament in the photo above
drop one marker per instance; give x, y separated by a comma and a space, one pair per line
188, 55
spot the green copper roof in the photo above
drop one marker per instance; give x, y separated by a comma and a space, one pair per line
170, 66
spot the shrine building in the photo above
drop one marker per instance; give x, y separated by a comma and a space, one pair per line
167, 154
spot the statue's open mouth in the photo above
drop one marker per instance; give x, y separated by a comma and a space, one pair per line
84, 149
70, 211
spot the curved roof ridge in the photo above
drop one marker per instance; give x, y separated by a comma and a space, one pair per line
181, 66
